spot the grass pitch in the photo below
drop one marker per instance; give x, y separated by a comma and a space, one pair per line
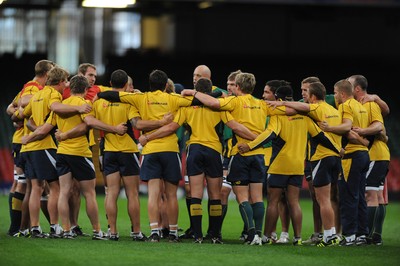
84, 251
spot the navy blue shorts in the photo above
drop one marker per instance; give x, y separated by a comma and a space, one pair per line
43, 164
125, 163
161, 165
244, 170
282, 181
81, 168
326, 171
376, 174
202, 159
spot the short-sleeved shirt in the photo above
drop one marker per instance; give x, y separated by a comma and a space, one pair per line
250, 112
78, 146
19, 132
379, 151
115, 114
356, 112
289, 145
319, 112
203, 123
153, 106
39, 109
29, 88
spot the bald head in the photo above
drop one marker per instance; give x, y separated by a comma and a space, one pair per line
201, 71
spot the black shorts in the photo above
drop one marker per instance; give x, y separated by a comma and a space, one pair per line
244, 170
202, 159
16, 148
43, 165
81, 168
326, 171
125, 163
101, 154
282, 181
161, 165
225, 163
307, 171
376, 174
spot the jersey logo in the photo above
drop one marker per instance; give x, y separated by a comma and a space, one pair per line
105, 105
251, 107
156, 103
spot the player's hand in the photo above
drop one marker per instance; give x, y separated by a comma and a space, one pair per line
84, 108
324, 126
121, 129
369, 98
358, 130
243, 147
188, 92
59, 136
275, 104
143, 140
24, 139
168, 117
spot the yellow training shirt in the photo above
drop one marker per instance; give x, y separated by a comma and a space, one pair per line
39, 109
354, 111
153, 106
379, 150
78, 146
250, 112
115, 114
322, 111
203, 123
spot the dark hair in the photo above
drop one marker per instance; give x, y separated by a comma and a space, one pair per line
78, 84
179, 88
285, 93
158, 80
318, 89
361, 81
275, 84
119, 78
203, 85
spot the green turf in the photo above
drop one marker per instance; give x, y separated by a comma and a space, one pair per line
84, 251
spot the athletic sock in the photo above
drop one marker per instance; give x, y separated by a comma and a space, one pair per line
10, 198
258, 216
380, 218
188, 200
155, 230
224, 211
247, 215
196, 215
372, 212
16, 212
209, 229
327, 235
215, 217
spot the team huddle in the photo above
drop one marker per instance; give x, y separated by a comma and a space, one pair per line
255, 147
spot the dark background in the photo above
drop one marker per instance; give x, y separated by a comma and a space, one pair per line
293, 40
